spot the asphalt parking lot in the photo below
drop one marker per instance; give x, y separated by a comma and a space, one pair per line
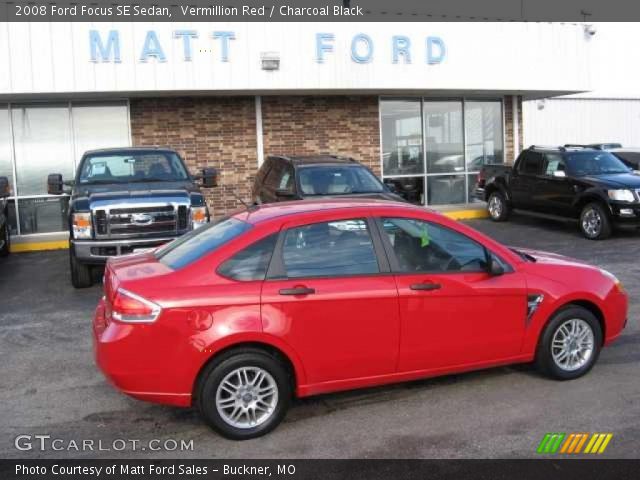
49, 384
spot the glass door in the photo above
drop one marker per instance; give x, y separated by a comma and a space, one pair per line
444, 149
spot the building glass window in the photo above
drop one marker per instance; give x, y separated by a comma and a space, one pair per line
6, 167
432, 149
51, 138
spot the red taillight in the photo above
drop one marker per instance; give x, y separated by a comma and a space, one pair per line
132, 308
480, 178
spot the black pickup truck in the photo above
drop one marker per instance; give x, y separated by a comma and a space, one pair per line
125, 200
586, 184
5, 239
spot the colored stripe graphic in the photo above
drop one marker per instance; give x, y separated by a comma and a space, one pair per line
598, 443
572, 443
550, 443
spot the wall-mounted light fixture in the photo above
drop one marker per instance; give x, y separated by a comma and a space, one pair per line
270, 61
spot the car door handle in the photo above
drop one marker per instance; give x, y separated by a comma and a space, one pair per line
297, 291
425, 286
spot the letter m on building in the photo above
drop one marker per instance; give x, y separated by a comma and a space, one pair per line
550, 443
104, 53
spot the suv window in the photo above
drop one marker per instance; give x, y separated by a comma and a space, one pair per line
197, 243
337, 180
554, 163
252, 262
336, 248
423, 246
530, 164
272, 180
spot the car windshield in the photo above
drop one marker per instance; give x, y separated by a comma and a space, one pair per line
194, 245
338, 180
594, 163
130, 167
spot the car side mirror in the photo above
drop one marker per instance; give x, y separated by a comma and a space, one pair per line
559, 174
55, 185
494, 268
284, 193
209, 177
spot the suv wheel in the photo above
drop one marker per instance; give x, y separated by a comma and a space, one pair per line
6, 240
595, 223
245, 394
570, 344
80, 273
498, 207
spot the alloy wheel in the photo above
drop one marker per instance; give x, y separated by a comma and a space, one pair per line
247, 397
495, 206
592, 222
572, 345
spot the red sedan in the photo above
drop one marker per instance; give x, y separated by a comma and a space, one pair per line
319, 296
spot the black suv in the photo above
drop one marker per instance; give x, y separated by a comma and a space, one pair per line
126, 200
587, 184
4, 217
282, 178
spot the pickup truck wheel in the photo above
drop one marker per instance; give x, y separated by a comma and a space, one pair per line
245, 394
570, 344
80, 273
6, 237
595, 223
498, 207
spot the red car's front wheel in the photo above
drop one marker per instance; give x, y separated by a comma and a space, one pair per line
570, 343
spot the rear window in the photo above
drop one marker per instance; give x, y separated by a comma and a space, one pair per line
198, 243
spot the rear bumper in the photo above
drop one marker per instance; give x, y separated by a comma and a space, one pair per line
98, 251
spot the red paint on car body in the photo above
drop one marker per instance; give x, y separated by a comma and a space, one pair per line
354, 331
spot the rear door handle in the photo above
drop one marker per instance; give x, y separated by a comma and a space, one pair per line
297, 291
425, 286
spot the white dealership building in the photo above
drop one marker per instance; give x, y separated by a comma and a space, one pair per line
422, 104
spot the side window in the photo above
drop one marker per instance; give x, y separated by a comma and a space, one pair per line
286, 180
531, 164
252, 262
554, 163
427, 247
272, 179
337, 248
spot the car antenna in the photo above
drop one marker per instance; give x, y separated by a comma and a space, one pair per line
239, 199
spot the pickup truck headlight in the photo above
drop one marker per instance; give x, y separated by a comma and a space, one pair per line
622, 195
198, 216
81, 223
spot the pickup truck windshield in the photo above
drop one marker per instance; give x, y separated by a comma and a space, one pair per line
594, 163
132, 167
338, 180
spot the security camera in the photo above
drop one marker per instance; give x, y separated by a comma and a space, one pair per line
590, 30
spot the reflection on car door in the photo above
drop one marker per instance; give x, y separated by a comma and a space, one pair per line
452, 312
325, 294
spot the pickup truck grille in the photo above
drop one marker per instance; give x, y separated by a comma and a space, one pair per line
140, 221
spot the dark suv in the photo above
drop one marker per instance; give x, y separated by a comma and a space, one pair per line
588, 184
284, 178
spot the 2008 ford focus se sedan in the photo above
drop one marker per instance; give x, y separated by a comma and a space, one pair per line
306, 298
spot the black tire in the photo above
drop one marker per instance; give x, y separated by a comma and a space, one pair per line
6, 236
595, 222
80, 273
498, 207
228, 363
544, 356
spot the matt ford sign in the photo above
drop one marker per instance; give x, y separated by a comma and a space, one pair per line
106, 46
